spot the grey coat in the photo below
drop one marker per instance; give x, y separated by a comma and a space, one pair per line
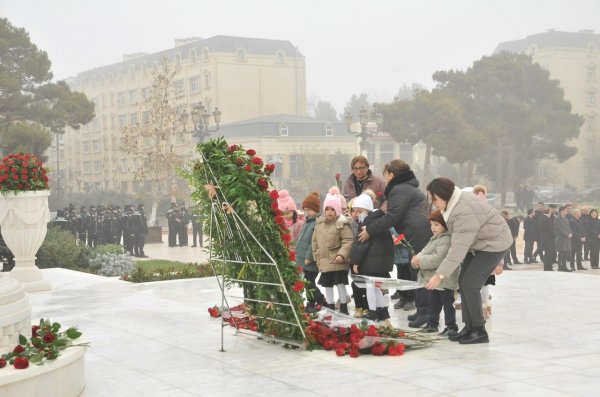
562, 231
304, 246
430, 258
473, 225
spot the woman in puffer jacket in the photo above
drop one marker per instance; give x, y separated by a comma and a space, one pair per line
479, 238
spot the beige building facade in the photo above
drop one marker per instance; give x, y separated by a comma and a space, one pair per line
574, 59
243, 77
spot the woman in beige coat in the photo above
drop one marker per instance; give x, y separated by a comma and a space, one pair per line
331, 246
479, 238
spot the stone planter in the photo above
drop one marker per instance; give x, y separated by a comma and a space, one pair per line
23, 221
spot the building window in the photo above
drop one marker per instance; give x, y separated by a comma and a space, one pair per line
240, 54
296, 170
87, 167
205, 54
194, 84
112, 121
121, 99
591, 98
590, 73
178, 61
85, 146
122, 121
283, 130
144, 68
279, 57
193, 56
133, 97
206, 79
97, 166
145, 93
178, 87
328, 130
132, 72
112, 99
591, 122
145, 117
133, 119
123, 165
96, 146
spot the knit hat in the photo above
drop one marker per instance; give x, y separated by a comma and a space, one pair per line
312, 201
437, 217
285, 202
332, 200
363, 201
336, 190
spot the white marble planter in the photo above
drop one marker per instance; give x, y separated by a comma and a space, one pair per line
15, 311
23, 219
63, 377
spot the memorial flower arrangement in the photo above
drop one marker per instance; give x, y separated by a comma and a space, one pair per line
230, 184
22, 172
46, 342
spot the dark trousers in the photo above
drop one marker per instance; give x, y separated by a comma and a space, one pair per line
476, 268
313, 292
405, 271
197, 232
548, 258
538, 250
528, 251
360, 295
138, 244
576, 253
82, 237
594, 252
182, 235
586, 250
442, 299
423, 301
91, 240
562, 259
173, 235
513, 251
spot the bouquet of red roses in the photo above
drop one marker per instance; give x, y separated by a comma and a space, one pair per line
22, 172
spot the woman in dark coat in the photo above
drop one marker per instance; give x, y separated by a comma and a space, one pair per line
408, 213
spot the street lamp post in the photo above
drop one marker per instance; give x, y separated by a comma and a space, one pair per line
201, 119
365, 132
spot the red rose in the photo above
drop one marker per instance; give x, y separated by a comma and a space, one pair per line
401, 236
18, 349
340, 352
354, 353
2, 362
21, 363
250, 152
45, 178
379, 194
257, 160
299, 269
328, 344
49, 337
274, 195
279, 220
372, 331
25, 177
23, 170
233, 148
239, 161
263, 184
14, 170
287, 237
298, 286
248, 168
293, 256
270, 168
378, 349
34, 329
274, 205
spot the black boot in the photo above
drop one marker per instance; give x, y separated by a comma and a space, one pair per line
413, 317
383, 313
418, 322
344, 309
477, 335
466, 331
372, 315
330, 306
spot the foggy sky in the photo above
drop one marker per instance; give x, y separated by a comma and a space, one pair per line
350, 46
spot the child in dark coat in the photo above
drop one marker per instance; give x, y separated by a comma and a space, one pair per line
374, 257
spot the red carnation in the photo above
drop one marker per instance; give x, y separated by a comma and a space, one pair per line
340, 352
2, 362
274, 195
263, 184
14, 170
49, 337
257, 160
21, 363
270, 168
287, 237
25, 177
279, 220
15, 177
354, 353
248, 168
274, 205
378, 349
298, 286
34, 329
250, 152
239, 161
293, 256
379, 194
233, 148
18, 349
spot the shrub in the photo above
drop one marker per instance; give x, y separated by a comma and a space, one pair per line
108, 249
59, 249
142, 275
112, 265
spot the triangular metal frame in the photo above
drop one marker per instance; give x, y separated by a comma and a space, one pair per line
220, 207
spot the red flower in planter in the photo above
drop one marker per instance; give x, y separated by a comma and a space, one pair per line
274, 195
279, 220
248, 168
257, 161
21, 363
263, 184
298, 286
250, 152
269, 168
287, 237
233, 148
239, 161
293, 256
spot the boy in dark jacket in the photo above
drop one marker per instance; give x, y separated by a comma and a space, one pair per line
374, 257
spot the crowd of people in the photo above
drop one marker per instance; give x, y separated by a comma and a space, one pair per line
99, 225
178, 220
450, 240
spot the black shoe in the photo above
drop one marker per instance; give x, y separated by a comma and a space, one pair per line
383, 313
430, 329
371, 315
413, 317
477, 335
344, 309
418, 322
581, 268
330, 306
449, 331
194, 245
397, 295
466, 331
518, 263
401, 303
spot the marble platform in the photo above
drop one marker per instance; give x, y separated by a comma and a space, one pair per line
156, 339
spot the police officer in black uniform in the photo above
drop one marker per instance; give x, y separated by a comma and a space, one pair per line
172, 215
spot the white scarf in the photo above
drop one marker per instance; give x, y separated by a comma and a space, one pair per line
451, 203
